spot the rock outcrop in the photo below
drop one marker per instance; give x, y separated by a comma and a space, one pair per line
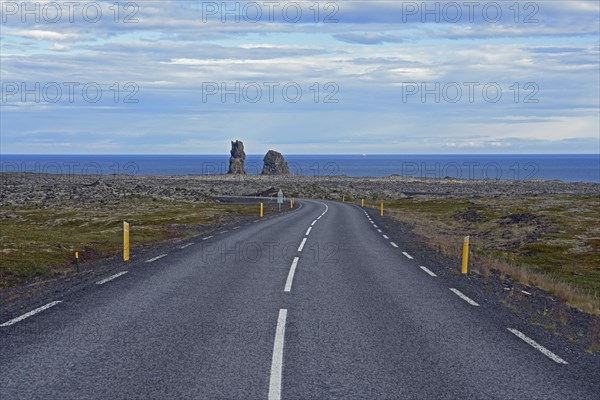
274, 164
236, 161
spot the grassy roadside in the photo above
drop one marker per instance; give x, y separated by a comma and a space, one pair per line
36, 241
548, 241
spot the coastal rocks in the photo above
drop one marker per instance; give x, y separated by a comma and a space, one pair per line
275, 164
236, 161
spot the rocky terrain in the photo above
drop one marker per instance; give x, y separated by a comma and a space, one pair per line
43, 190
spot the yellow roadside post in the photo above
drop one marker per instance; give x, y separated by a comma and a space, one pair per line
465, 256
125, 241
77, 260
343, 199
261, 210
362, 202
292, 203
381, 208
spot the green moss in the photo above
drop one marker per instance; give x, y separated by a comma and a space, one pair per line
39, 241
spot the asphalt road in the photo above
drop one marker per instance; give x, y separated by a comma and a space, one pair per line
311, 304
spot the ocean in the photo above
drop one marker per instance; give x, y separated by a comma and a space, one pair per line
570, 168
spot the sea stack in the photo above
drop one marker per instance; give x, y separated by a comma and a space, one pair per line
236, 161
275, 164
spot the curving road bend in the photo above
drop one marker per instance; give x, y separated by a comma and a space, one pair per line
313, 304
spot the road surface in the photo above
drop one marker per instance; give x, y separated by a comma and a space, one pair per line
316, 303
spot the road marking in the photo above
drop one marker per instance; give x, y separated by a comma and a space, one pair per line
277, 361
308, 231
394, 244
375, 226
206, 238
313, 223
407, 255
290, 278
237, 227
110, 278
30, 313
526, 292
385, 237
156, 258
319, 217
379, 230
224, 231
302, 244
465, 298
537, 346
427, 270
186, 245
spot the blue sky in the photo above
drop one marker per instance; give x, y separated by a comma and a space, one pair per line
369, 62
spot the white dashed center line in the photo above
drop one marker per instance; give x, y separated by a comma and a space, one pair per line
290, 278
427, 271
407, 255
237, 227
206, 238
186, 245
302, 244
465, 298
30, 313
394, 244
277, 361
313, 223
385, 237
308, 231
379, 230
224, 231
156, 258
110, 278
537, 346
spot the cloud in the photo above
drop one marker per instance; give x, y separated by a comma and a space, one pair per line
368, 38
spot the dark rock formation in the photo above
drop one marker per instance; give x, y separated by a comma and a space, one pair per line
274, 164
236, 161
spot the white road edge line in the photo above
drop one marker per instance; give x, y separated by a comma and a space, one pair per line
308, 231
186, 245
290, 278
224, 231
30, 313
110, 278
465, 298
427, 271
302, 244
237, 227
394, 244
156, 258
537, 346
385, 237
206, 238
407, 255
277, 360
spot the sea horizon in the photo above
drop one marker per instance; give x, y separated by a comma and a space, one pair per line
563, 167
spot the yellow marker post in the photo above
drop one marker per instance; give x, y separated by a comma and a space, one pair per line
362, 202
465, 256
343, 199
125, 241
262, 212
292, 203
381, 209
77, 260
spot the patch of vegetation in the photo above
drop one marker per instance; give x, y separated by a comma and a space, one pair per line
41, 241
551, 241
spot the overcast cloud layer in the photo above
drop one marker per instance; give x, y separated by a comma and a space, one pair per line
375, 77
